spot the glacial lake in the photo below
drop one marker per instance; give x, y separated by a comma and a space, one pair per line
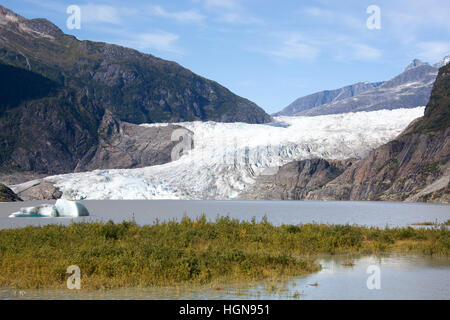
379, 214
401, 277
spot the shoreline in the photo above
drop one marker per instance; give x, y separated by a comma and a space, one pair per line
193, 251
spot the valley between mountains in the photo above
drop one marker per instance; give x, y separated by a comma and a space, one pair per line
91, 120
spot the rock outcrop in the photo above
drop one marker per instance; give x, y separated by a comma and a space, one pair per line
125, 145
37, 190
396, 171
295, 180
7, 195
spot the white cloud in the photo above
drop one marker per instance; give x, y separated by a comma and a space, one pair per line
230, 11
92, 13
415, 14
410, 21
238, 18
333, 17
293, 46
433, 51
364, 52
223, 4
181, 16
160, 41
143, 41
49, 5
345, 48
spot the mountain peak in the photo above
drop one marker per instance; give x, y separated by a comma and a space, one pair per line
415, 63
44, 26
37, 27
443, 62
8, 16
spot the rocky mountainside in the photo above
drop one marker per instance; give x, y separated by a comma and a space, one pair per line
409, 89
56, 89
413, 167
443, 62
126, 145
296, 179
324, 97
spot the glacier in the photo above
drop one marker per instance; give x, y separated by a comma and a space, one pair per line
227, 157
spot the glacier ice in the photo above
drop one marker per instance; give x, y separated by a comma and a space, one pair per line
44, 210
227, 157
62, 208
67, 208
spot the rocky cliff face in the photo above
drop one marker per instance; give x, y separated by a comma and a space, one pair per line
413, 167
7, 195
55, 90
295, 180
443, 62
126, 145
37, 190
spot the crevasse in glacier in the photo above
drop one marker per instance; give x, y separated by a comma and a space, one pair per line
227, 157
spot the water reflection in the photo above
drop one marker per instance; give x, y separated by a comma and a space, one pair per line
402, 277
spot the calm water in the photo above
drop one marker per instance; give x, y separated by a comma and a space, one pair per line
377, 214
400, 278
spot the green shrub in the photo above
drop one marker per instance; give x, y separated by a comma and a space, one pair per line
190, 251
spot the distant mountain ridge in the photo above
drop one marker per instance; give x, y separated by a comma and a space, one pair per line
409, 89
56, 90
323, 97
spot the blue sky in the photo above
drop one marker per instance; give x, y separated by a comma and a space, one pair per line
268, 51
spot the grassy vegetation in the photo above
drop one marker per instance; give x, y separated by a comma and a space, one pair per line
191, 251
434, 224
425, 224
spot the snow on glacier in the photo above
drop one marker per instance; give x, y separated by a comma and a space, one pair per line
228, 156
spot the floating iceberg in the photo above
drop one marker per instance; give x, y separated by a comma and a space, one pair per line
45, 210
62, 208
68, 208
